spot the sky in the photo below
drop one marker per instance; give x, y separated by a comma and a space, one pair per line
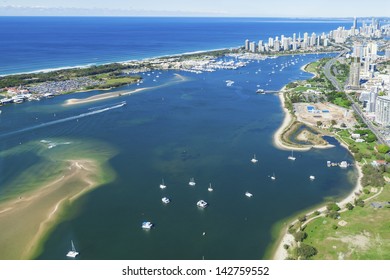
227, 8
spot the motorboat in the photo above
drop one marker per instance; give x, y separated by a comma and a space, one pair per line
202, 204
147, 225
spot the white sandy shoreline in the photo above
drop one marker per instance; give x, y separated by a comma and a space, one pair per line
280, 253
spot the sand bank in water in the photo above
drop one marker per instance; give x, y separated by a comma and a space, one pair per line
25, 221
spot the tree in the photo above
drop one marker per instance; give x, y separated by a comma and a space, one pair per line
299, 236
334, 214
359, 202
306, 251
332, 207
333, 122
349, 206
302, 218
343, 125
319, 123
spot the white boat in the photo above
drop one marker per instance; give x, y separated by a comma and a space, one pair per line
311, 177
165, 200
254, 160
248, 194
147, 225
162, 185
292, 156
273, 177
261, 91
343, 164
202, 204
210, 189
72, 253
192, 182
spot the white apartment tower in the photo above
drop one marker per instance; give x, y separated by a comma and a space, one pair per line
382, 110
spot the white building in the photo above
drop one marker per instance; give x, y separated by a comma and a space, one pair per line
382, 110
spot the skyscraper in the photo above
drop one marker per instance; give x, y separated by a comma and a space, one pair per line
354, 75
354, 26
247, 45
382, 110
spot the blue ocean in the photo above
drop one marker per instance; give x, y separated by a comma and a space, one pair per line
196, 128
39, 43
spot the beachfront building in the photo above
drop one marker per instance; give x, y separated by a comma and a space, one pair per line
382, 110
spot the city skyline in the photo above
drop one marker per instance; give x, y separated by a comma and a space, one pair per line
219, 8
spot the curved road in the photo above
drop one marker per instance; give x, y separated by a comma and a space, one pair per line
339, 87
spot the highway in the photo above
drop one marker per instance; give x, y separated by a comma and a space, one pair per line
339, 87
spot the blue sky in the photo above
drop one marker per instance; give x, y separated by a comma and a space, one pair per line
268, 8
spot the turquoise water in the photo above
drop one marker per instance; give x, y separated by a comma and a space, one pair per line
198, 128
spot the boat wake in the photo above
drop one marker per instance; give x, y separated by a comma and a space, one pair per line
102, 110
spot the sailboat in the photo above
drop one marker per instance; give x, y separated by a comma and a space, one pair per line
210, 189
292, 156
162, 185
254, 160
273, 176
72, 253
192, 182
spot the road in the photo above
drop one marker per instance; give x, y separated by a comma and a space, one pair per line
339, 87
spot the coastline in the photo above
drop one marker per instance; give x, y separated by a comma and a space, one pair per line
286, 238
40, 209
279, 253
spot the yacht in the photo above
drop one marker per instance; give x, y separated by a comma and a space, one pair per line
273, 176
292, 156
147, 225
210, 189
261, 91
202, 203
343, 164
162, 185
311, 177
72, 253
192, 182
254, 160
165, 200
248, 194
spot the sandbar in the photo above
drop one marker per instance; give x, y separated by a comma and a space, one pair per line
24, 221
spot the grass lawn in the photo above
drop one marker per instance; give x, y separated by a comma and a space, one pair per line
365, 236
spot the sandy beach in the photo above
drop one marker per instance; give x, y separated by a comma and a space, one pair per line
103, 96
286, 122
26, 220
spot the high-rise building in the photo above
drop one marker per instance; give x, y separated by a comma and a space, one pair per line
247, 45
270, 42
382, 110
313, 39
354, 75
371, 105
354, 26
357, 50
277, 45
306, 38
286, 44
252, 47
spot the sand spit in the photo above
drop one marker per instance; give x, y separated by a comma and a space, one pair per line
25, 221
103, 96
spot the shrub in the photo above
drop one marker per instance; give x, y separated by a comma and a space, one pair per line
300, 236
349, 206
332, 207
306, 251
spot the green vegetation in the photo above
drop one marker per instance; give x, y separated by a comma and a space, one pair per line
358, 231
